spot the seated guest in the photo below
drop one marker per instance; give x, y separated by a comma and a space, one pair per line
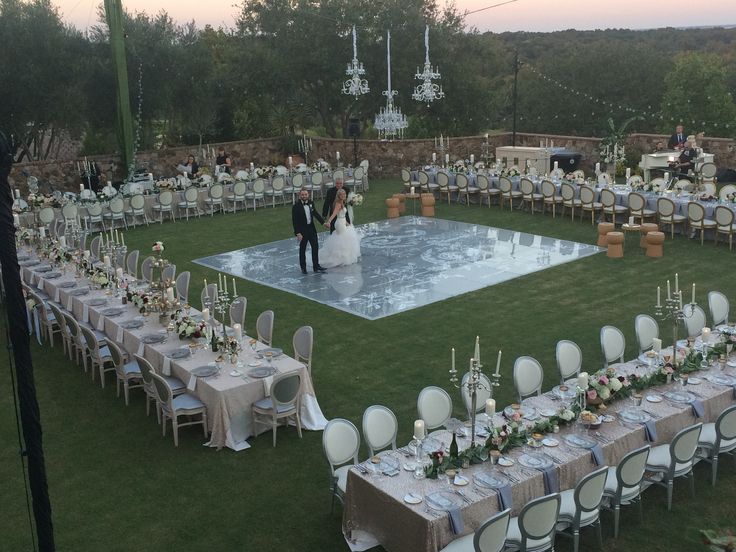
223, 160
659, 147
189, 167
686, 161
678, 139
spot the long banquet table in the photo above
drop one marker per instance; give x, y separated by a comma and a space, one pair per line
375, 512
228, 398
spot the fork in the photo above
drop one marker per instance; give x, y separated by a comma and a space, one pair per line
461, 494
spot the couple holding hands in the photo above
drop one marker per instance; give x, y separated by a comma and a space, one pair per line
342, 247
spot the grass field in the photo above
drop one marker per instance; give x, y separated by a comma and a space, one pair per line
117, 485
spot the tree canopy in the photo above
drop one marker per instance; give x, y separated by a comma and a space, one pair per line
279, 70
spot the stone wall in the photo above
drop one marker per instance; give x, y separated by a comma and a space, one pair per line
386, 158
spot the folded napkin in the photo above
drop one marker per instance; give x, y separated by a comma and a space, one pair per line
504, 497
267, 383
69, 303
166, 368
650, 428
85, 313
551, 481
456, 521
40, 283
698, 408
192, 382
100, 323
141, 347
120, 335
597, 453
56, 295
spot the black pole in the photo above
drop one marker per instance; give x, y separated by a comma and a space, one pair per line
516, 79
18, 331
355, 151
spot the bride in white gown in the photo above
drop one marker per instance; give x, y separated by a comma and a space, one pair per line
342, 247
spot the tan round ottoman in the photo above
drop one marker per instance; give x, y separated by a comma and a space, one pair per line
428, 202
644, 230
615, 242
654, 244
392, 205
603, 229
402, 203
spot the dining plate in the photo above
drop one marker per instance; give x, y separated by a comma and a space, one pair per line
694, 381
79, 292
31, 263
430, 445
721, 379
52, 275
275, 351
535, 461
654, 398
131, 324
580, 441
388, 464
490, 480
460, 480
550, 442
204, 371
444, 501
149, 339
634, 415
548, 412
565, 392
97, 302
684, 397
66, 285
236, 373
43, 269
255, 363
505, 461
261, 372
650, 357
526, 412
409, 466
412, 498
178, 353
112, 311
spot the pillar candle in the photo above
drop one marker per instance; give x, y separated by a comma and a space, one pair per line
597, 167
447, 158
238, 332
205, 314
251, 166
472, 159
17, 193
122, 239
498, 363
705, 334
659, 300
453, 359
337, 155
669, 291
677, 282
62, 241
656, 345
419, 432
490, 408
290, 161
235, 291
119, 272
87, 253
219, 279
666, 177
583, 380
477, 349
170, 294
81, 187
434, 157
16, 220
552, 143
224, 279
556, 165
106, 260
631, 221
693, 301
206, 291
628, 173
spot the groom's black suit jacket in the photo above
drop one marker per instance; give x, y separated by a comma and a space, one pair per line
299, 218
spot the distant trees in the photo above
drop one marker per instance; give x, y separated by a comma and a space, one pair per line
280, 69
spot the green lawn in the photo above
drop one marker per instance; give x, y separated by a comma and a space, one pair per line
117, 485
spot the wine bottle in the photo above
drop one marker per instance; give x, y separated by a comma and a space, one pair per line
453, 447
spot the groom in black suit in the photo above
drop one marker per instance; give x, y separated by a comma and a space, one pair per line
302, 217
330, 201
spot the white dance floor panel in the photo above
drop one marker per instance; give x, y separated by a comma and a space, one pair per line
406, 263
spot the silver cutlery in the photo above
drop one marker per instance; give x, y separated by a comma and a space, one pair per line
602, 437
553, 458
462, 495
652, 414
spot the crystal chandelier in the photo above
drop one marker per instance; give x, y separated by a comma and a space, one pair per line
390, 122
355, 85
427, 91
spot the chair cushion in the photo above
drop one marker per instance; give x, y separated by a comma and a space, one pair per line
513, 536
267, 404
659, 459
175, 383
567, 509
185, 401
611, 487
131, 369
463, 544
105, 353
708, 438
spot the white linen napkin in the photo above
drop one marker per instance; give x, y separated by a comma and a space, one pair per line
69, 304
85, 313
56, 295
141, 346
192, 382
267, 383
100, 323
40, 283
119, 334
166, 368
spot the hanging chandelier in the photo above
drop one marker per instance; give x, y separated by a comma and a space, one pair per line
427, 91
355, 85
390, 122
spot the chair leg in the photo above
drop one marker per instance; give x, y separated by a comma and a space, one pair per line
692, 483
599, 532
616, 516
575, 533
175, 429
669, 495
714, 469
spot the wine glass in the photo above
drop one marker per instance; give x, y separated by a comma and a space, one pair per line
253, 345
704, 365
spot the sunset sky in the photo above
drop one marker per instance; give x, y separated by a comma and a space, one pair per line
529, 15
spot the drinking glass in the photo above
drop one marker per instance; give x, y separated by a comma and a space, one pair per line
704, 363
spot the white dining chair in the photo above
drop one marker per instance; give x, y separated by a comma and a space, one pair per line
725, 217
264, 327
719, 307
407, 181
131, 263
98, 354
237, 311
128, 373
303, 343
697, 220
137, 209
666, 215
207, 297
588, 203
214, 199
434, 406
550, 197
613, 344
164, 205
534, 528
257, 193
94, 216
379, 428
283, 404
638, 208
507, 192
608, 200
182, 286
490, 536
668, 462
581, 507
485, 189
569, 201
694, 320
569, 359
190, 202
168, 274
173, 406
718, 438
238, 195
341, 443
94, 246
147, 268
623, 484
646, 329
276, 190
528, 377
528, 195
482, 394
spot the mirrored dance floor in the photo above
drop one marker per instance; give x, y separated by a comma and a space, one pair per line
406, 263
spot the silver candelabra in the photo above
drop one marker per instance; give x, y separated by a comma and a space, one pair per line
673, 309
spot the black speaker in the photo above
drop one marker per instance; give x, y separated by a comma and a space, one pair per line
354, 128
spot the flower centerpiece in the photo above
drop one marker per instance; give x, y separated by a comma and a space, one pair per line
480, 165
603, 385
139, 299
511, 172
187, 327
100, 278
459, 166
158, 247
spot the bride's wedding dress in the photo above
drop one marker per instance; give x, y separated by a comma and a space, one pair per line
342, 247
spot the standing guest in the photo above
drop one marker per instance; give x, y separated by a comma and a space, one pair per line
189, 167
303, 214
223, 160
678, 139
